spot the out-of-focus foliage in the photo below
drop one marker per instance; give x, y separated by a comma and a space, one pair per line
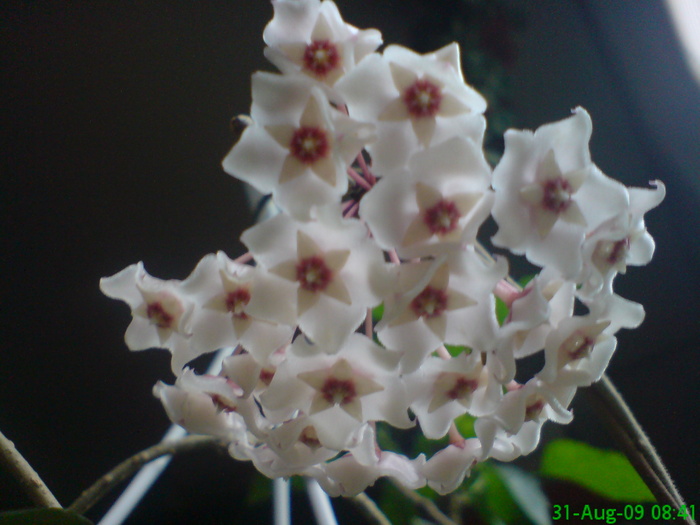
605, 472
42, 517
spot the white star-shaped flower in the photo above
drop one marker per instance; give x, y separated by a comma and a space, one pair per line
514, 428
338, 393
549, 194
619, 242
436, 205
298, 147
443, 389
237, 306
209, 405
160, 311
448, 300
415, 100
336, 270
446, 470
339, 386
316, 273
312, 38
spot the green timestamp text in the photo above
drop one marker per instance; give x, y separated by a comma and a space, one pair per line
627, 512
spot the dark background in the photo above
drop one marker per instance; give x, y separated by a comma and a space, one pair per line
115, 118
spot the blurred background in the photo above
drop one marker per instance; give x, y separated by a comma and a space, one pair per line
115, 118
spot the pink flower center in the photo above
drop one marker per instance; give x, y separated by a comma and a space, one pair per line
338, 391
309, 144
309, 437
533, 410
422, 99
557, 195
313, 274
266, 375
442, 217
431, 302
236, 301
158, 316
609, 253
222, 404
320, 57
577, 346
462, 388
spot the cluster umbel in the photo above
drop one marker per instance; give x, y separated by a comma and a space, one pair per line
375, 161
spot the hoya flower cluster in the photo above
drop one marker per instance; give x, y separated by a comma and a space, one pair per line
375, 160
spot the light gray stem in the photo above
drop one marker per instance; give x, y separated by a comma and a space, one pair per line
129, 466
27, 477
635, 444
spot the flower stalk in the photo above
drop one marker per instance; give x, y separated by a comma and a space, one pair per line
27, 477
131, 465
635, 443
427, 505
370, 508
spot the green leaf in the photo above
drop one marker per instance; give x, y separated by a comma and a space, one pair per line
456, 350
394, 504
428, 446
508, 495
465, 425
605, 472
42, 517
525, 280
501, 311
259, 490
491, 497
527, 493
428, 492
377, 313
298, 484
385, 439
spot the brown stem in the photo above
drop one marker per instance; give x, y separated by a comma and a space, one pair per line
370, 508
129, 466
635, 444
27, 477
426, 504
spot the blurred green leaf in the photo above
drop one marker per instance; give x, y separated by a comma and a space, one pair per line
456, 350
465, 425
527, 493
491, 497
428, 492
385, 438
42, 517
429, 446
501, 311
260, 490
508, 495
524, 281
605, 472
298, 484
397, 507
377, 313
